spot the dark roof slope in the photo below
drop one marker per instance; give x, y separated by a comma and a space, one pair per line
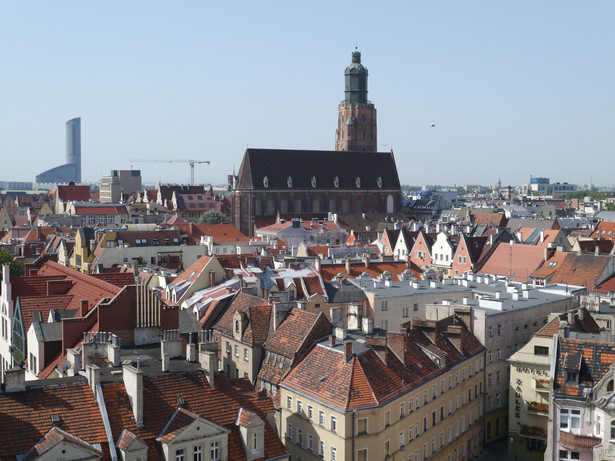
301, 165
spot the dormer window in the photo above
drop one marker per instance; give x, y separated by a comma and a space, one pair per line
572, 376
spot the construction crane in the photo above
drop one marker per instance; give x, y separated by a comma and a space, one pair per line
189, 162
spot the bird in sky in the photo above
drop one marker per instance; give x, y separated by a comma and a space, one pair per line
432, 125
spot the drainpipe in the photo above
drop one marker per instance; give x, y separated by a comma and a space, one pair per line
354, 412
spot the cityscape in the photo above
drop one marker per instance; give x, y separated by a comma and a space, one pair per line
376, 296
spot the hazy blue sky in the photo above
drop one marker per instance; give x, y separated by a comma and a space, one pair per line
515, 88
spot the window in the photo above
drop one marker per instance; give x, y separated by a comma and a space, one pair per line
179, 455
321, 448
299, 437
425, 396
497, 377
333, 454
612, 430
197, 453
402, 440
425, 423
289, 430
310, 442
410, 402
289, 403
310, 412
299, 406
384, 306
214, 450
362, 426
410, 433
490, 357
491, 332
498, 355
570, 421
321, 417
433, 392
402, 411
568, 455
416, 307
405, 312
598, 425
236, 351
387, 419
245, 354
333, 423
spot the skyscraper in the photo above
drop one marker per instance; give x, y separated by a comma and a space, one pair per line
71, 170
356, 125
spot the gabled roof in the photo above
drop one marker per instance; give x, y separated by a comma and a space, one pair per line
375, 270
219, 404
302, 165
589, 359
519, 262
488, 219
583, 322
604, 230
26, 416
73, 193
258, 312
585, 269
221, 233
55, 436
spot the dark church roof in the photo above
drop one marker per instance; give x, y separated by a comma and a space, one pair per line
375, 170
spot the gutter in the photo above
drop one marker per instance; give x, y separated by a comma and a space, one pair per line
105, 417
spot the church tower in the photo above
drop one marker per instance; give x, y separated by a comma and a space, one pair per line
356, 125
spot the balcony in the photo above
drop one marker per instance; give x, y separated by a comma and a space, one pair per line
534, 432
541, 385
537, 408
578, 442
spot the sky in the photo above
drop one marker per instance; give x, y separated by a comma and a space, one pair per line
515, 89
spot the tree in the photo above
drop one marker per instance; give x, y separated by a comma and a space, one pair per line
16, 266
212, 217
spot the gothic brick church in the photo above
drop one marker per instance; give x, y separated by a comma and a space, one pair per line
353, 178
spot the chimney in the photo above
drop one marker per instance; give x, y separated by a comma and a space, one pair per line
83, 308
92, 372
368, 325
454, 333
135, 267
133, 382
331, 340
212, 278
348, 267
347, 350
6, 274
242, 283
317, 264
15, 379
208, 361
366, 260
165, 363
542, 236
397, 343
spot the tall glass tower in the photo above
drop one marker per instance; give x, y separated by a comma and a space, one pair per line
73, 145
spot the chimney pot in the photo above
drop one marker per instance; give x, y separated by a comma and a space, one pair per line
331, 340
347, 350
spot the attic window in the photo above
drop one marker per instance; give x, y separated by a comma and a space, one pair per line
181, 401
572, 376
167, 240
552, 264
156, 241
175, 241
55, 420
120, 242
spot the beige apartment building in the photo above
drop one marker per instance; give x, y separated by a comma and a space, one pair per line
413, 395
528, 403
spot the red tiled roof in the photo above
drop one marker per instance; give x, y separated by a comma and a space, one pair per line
589, 359
52, 438
604, 230
375, 269
221, 233
584, 269
258, 312
26, 416
219, 404
98, 210
68, 193
519, 262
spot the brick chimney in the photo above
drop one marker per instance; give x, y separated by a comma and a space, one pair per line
454, 333
83, 308
465, 314
212, 278
133, 382
347, 350
397, 343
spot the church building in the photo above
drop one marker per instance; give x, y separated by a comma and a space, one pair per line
308, 184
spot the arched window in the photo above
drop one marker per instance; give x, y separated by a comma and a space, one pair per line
609, 386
